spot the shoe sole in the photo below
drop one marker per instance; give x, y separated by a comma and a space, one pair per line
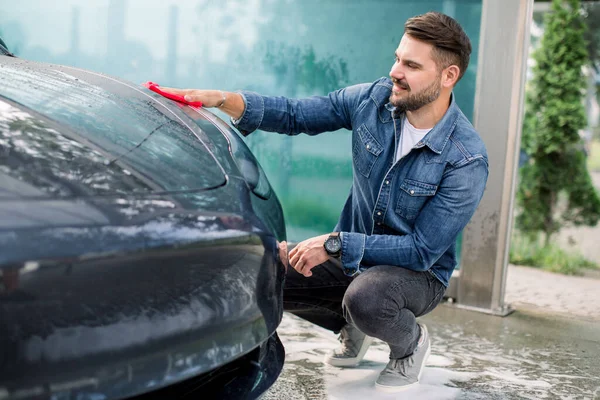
350, 362
395, 389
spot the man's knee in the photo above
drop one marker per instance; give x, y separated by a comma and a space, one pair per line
362, 304
374, 296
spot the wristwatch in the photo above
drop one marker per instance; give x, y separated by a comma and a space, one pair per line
333, 245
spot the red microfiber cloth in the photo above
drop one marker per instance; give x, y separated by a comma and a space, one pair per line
155, 87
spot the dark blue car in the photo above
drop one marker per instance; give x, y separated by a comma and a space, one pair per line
139, 244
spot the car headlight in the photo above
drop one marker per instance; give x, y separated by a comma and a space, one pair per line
251, 171
250, 168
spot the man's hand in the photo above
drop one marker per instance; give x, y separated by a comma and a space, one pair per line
233, 104
209, 98
308, 254
283, 254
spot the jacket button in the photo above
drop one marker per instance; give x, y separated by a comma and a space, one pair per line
368, 147
412, 192
378, 212
387, 182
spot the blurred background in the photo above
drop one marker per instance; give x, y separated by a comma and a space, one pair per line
274, 47
311, 47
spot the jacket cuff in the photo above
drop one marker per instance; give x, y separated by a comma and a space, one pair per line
353, 248
253, 114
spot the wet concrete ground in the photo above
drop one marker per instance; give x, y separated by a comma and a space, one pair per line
527, 355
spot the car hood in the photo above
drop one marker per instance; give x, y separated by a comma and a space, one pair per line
66, 132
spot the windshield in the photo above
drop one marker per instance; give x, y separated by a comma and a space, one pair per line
38, 158
97, 134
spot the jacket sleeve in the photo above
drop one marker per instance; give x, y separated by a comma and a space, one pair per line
435, 230
311, 115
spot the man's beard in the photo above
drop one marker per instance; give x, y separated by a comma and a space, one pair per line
413, 102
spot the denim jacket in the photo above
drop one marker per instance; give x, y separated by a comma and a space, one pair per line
407, 213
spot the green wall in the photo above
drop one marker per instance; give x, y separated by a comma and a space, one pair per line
277, 47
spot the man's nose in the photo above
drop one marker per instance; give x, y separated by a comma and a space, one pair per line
397, 71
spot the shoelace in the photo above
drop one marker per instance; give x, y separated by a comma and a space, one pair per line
401, 365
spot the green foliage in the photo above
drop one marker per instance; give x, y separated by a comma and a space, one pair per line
555, 187
524, 251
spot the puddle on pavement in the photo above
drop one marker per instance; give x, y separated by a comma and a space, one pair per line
480, 357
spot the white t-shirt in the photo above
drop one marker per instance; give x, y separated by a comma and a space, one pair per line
409, 137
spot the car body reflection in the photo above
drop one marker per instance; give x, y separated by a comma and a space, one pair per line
140, 244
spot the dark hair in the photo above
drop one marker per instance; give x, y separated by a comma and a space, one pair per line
451, 45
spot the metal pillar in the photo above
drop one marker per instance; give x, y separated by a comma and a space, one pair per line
498, 116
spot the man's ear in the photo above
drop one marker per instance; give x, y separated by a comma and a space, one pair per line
450, 76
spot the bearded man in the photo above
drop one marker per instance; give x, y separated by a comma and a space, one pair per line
419, 172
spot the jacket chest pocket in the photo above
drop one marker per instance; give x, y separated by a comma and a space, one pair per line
365, 151
413, 196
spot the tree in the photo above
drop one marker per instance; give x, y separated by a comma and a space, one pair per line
555, 187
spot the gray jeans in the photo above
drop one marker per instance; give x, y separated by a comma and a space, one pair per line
382, 302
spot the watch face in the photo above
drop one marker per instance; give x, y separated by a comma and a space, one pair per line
333, 245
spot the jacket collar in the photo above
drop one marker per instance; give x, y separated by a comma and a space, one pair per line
439, 135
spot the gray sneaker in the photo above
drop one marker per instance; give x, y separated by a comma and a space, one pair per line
353, 348
405, 372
